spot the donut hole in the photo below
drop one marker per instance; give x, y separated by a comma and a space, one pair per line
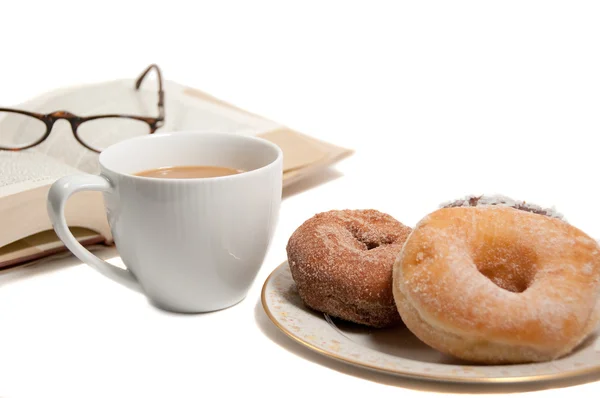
371, 245
508, 265
370, 241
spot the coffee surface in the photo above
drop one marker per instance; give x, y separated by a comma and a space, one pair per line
189, 172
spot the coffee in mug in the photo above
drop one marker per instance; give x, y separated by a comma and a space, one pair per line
189, 172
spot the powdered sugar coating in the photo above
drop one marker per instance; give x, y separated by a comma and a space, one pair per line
501, 200
494, 284
341, 262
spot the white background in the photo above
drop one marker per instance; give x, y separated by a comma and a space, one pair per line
439, 99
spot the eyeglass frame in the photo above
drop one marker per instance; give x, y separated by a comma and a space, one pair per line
75, 121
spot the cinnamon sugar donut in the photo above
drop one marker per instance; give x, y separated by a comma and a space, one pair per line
494, 281
341, 262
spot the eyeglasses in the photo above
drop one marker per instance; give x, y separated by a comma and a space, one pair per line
21, 129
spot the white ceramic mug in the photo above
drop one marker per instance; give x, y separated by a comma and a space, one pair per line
190, 245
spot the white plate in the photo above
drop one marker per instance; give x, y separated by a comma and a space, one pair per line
397, 351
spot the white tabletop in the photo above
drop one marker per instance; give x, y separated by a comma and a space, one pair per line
439, 100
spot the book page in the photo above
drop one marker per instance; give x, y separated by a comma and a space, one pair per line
186, 109
43, 244
100, 99
25, 170
182, 112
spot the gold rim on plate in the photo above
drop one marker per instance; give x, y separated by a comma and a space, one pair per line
415, 375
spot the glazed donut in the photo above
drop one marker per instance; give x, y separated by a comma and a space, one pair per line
496, 282
341, 262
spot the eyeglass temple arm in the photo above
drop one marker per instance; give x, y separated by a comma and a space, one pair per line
161, 93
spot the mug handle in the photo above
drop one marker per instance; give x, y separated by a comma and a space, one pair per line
58, 194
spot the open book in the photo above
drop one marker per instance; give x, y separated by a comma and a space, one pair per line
25, 176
